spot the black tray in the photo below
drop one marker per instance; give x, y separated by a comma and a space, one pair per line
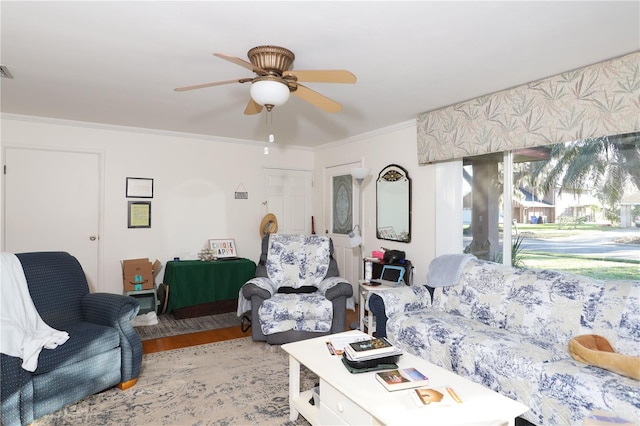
388, 361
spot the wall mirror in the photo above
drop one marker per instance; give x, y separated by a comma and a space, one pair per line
393, 204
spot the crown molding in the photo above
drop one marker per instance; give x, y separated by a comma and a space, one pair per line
144, 130
368, 135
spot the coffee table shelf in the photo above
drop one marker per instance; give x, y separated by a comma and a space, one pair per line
308, 411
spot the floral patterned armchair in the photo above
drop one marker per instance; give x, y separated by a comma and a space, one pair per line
297, 292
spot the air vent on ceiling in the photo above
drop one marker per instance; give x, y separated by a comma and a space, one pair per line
4, 72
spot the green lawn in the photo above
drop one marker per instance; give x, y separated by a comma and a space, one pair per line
594, 268
564, 229
597, 268
550, 230
553, 230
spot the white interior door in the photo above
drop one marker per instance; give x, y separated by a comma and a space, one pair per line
52, 202
348, 258
290, 199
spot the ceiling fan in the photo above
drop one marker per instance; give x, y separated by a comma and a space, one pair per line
276, 80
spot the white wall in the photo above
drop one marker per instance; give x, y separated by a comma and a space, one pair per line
393, 145
195, 179
194, 183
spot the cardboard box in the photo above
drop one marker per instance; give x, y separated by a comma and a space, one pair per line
139, 274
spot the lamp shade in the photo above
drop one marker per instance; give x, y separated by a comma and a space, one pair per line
269, 92
354, 239
360, 172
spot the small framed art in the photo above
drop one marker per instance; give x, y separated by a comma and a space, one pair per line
139, 187
139, 214
223, 248
387, 232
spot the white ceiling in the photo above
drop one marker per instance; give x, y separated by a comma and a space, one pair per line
118, 62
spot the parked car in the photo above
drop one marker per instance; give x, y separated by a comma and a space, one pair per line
637, 221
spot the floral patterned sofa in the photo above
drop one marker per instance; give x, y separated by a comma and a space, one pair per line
509, 329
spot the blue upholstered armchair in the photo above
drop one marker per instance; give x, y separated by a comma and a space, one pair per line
103, 350
298, 292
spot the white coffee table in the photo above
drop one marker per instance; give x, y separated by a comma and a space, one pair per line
358, 399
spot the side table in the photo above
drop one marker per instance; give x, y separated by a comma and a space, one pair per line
205, 287
367, 321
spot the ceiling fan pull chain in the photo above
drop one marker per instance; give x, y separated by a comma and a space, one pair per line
268, 121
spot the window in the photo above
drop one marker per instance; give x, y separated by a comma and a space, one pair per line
574, 207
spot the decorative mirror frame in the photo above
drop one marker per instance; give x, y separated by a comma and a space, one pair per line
393, 173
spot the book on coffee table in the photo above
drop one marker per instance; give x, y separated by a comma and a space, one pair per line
368, 349
336, 344
402, 378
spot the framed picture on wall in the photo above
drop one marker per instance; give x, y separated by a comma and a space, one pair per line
139, 214
139, 187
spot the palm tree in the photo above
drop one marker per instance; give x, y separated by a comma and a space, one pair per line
603, 165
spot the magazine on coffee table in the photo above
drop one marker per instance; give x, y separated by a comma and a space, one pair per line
436, 396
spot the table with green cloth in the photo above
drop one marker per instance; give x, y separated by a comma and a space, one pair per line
196, 282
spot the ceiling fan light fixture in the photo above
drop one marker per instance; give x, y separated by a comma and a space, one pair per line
276, 79
269, 92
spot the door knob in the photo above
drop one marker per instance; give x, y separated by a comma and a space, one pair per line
93, 238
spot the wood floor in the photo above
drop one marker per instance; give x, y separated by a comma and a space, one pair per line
211, 336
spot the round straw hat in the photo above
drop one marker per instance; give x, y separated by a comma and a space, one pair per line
269, 225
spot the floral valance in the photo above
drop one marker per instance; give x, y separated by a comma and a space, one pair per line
593, 101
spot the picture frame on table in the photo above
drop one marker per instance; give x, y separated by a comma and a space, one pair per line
139, 187
223, 248
139, 214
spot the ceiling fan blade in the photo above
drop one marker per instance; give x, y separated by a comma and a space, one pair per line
217, 83
252, 108
317, 99
323, 76
242, 63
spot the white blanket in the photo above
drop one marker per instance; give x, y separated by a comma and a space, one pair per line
445, 270
23, 333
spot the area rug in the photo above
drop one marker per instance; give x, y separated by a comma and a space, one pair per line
235, 382
169, 326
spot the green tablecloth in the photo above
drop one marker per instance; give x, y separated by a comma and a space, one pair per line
192, 282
